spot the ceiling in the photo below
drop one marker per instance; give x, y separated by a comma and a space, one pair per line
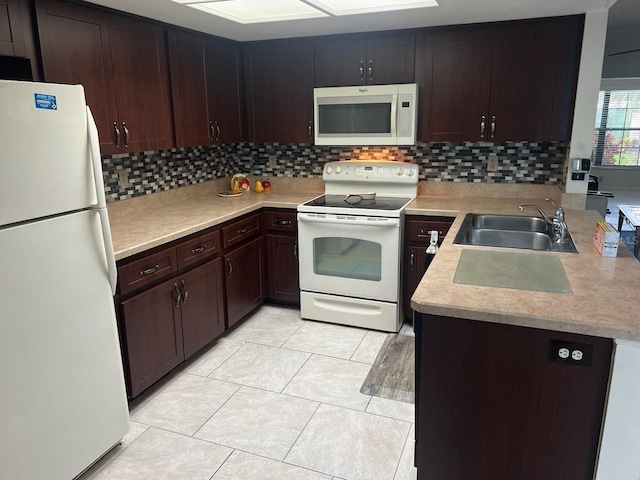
449, 12
624, 13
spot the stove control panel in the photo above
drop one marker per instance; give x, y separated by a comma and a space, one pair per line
371, 171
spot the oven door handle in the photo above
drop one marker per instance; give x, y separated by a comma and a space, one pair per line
387, 223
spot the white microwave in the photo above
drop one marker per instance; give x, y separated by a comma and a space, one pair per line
366, 115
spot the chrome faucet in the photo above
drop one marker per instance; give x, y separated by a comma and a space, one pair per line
557, 224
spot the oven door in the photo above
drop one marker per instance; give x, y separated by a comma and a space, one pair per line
353, 256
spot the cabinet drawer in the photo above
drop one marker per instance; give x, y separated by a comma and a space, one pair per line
420, 230
199, 248
147, 270
241, 230
284, 221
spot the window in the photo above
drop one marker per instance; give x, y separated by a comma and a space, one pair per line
617, 129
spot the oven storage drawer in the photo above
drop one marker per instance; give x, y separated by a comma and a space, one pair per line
238, 232
147, 270
199, 248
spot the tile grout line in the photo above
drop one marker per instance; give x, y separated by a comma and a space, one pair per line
217, 410
401, 454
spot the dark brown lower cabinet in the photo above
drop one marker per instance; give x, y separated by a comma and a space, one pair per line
495, 402
168, 323
202, 306
282, 268
153, 330
244, 279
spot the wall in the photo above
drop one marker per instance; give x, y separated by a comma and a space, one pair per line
622, 39
539, 163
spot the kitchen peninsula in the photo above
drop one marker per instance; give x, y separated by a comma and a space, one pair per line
513, 383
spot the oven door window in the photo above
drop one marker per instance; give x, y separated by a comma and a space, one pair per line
347, 258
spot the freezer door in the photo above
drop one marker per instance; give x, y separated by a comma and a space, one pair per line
63, 401
44, 147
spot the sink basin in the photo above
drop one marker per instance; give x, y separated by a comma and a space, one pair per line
509, 222
508, 239
510, 231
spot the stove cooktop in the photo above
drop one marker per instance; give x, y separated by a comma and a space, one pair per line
378, 203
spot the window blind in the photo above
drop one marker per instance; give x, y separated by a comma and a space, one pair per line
617, 128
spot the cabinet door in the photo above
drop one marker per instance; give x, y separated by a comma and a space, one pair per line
153, 335
244, 280
455, 95
141, 83
280, 92
189, 88
75, 50
534, 78
225, 106
414, 258
11, 32
202, 306
390, 59
340, 62
282, 268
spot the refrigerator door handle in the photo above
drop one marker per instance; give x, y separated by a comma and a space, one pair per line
94, 145
108, 248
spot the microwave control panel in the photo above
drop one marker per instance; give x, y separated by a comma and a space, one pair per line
405, 115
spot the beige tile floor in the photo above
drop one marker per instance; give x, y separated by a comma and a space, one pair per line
276, 398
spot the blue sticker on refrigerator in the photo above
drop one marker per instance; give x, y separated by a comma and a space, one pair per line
46, 102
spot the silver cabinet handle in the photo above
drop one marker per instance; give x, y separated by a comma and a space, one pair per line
178, 295
117, 132
370, 69
295, 250
185, 292
149, 271
199, 249
212, 136
483, 125
361, 70
217, 132
242, 231
493, 125
229, 268
126, 135
411, 260
281, 222
310, 130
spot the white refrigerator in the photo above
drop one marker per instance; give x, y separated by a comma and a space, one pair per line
62, 395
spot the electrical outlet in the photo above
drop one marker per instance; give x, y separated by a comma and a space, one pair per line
492, 164
273, 161
123, 178
578, 354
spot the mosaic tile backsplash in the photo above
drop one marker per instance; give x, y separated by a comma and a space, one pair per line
150, 172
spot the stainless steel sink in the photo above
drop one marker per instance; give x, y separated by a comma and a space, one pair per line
519, 223
510, 231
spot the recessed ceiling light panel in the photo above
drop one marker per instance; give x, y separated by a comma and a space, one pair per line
352, 7
256, 11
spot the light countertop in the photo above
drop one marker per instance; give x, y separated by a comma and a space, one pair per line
603, 300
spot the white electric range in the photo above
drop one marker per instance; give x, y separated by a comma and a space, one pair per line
350, 244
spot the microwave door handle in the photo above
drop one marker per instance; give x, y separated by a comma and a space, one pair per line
394, 108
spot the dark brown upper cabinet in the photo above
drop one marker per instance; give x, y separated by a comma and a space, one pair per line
11, 32
499, 82
206, 90
279, 86
360, 60
122, 64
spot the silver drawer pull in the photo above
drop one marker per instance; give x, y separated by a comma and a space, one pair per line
149, 271
282, 222
243, 231
199, 249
